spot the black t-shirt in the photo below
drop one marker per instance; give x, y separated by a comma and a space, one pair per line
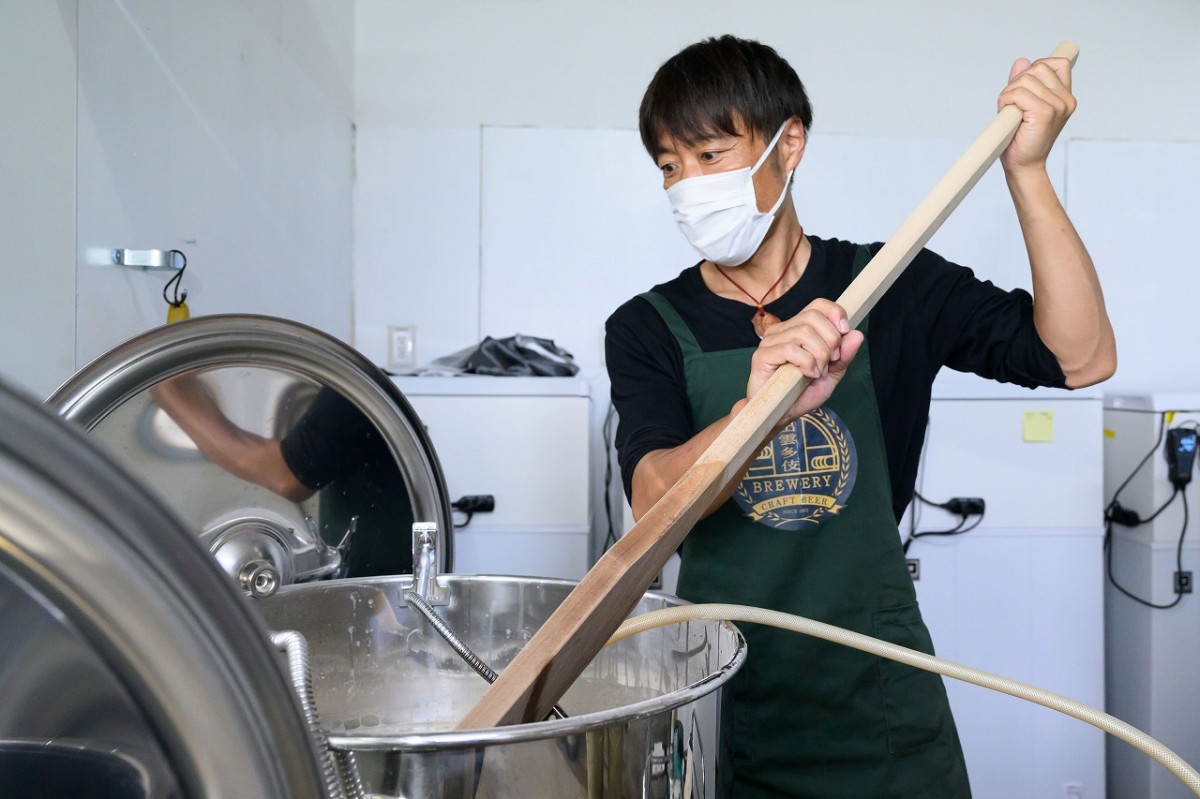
332, 440
336, 449
936, 314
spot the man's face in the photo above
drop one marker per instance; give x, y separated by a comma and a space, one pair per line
722, 153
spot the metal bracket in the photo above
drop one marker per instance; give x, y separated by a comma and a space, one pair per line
425, 582
149, 259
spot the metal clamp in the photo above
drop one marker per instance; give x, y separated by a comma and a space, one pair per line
425, 583
149, 259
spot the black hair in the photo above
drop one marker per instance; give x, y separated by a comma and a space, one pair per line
721, 86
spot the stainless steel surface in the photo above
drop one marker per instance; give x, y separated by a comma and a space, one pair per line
120, 633
391, 690
263, 373
340, 774
428, 592
65, 719
260, 551
58, 769
425, 560
146, 259
426, 611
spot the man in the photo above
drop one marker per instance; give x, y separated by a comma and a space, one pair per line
811, 529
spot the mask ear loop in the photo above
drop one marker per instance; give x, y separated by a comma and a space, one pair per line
770, 146
180, 297
762, 159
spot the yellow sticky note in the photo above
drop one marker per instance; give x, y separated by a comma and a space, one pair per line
1037, 426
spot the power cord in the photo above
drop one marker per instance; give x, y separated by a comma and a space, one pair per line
610, 418
965, 507
472, 504
1115, 513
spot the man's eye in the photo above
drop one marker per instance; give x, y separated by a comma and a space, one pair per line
708, 157
667, 169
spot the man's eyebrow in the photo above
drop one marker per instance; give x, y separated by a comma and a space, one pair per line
699, 140
714, 136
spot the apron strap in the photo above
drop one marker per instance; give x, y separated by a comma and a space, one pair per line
862, 257
678, 327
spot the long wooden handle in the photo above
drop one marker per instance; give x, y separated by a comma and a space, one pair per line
559, 652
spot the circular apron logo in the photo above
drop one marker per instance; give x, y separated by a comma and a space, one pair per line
803, 474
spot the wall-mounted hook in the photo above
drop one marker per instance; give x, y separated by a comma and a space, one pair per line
149, 259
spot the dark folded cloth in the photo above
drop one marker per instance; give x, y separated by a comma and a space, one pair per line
516, 355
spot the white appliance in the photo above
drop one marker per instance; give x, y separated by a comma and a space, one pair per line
1021, 594
525, 441
1151, 653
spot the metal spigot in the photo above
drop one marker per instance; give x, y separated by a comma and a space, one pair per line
425, 583
259, 579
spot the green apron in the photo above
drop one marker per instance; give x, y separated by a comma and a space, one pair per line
810, 531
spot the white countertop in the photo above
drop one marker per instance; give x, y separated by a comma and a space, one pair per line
489, 386
1155, 401
952, 385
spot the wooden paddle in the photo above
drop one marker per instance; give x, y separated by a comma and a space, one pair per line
558, 653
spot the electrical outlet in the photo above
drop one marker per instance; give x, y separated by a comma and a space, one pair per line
914, 568
1183, 582
402, 347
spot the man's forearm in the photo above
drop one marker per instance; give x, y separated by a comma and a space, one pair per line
1068, 308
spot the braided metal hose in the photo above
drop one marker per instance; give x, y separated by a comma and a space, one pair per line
417, 603
337, 767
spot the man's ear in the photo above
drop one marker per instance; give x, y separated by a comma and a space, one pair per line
791, 143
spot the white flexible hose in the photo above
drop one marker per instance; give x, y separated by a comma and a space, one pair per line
1030, 693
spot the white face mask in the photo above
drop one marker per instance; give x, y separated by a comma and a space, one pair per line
719, 214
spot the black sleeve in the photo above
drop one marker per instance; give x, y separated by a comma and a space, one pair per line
983, 329
645, 369
332, 439
940, 314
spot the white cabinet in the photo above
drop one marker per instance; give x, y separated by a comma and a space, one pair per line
1021, 595
523, 440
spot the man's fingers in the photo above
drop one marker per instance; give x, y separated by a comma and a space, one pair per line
851, 343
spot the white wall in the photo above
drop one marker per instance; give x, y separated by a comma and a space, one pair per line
37, 201
224, 129
925, 69
432, 78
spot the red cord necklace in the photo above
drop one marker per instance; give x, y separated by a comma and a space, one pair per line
762, 319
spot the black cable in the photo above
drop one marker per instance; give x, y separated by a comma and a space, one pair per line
917, 494
1178, 554
1113, 512
610, 537
957, 529
1162, 431
180, 297
472, 504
